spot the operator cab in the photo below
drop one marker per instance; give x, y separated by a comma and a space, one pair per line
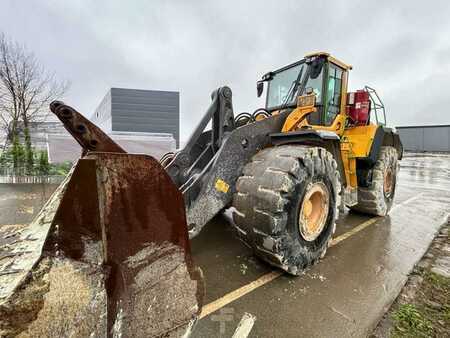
318, 74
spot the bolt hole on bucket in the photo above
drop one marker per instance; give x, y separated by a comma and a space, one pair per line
65, 113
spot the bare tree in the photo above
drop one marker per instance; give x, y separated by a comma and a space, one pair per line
26, 87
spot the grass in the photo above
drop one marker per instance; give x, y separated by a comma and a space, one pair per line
409, 321
429, 314
426, 311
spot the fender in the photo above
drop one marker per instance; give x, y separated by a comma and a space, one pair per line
384, 136
320, 138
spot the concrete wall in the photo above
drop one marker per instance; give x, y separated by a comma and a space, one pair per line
425, 138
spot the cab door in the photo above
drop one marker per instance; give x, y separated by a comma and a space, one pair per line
332, 95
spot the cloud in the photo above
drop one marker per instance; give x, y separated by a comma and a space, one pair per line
193, 47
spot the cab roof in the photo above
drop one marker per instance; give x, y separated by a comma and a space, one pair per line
329, 58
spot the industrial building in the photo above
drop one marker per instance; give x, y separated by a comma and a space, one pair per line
141, 121
136, 110
425, 138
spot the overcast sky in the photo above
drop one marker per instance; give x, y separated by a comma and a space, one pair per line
402, 48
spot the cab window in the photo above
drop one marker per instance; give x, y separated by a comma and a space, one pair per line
333, 94
316, 85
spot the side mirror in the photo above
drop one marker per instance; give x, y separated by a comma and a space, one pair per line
259, 88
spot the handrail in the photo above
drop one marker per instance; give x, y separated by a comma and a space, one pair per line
376, 104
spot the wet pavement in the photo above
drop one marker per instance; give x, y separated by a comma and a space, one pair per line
19, 203
344, 295
347, 293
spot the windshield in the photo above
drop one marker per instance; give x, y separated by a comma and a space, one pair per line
282, 83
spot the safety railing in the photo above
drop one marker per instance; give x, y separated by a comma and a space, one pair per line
377, 106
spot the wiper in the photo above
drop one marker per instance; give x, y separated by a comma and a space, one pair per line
292, 89
297, 81
303, 83
289, 94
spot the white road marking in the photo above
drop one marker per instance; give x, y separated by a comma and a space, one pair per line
245, 326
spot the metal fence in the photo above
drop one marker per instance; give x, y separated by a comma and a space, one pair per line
19, 175
31, 179
425, 138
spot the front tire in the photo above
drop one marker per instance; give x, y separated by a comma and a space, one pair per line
286, 205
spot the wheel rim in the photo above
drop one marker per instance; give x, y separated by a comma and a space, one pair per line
388, 183
314, 211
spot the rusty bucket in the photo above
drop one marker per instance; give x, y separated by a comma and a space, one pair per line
107, 256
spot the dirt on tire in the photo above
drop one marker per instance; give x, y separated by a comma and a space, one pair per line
373, 199
267, 200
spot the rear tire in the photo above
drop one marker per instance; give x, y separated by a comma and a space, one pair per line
277, 187
377, 199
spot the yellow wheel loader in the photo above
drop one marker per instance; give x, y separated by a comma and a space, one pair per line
109, 253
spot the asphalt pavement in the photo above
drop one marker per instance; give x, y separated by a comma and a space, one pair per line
344, 295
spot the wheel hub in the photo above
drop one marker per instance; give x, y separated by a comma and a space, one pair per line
314, 211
